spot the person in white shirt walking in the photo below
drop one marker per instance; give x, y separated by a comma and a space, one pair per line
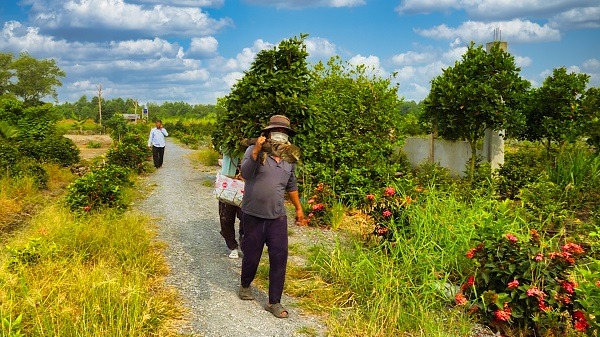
156, 141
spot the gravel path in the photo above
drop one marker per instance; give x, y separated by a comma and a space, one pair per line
206, 279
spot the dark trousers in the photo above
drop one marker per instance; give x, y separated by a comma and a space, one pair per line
273, 233
158, 153
227, 215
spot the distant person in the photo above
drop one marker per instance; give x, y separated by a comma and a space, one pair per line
268, 177
156, 141
227, 212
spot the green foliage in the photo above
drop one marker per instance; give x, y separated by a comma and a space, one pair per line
93, 145
522, 283
553, 111
387, 209
130, 152
588, 293
207, 157
590, 106
519, 169
278, 82
34, 169
318, 207
36, 79
53, 148
9, 156
11, 327
30, 254
352, 132
118, 126
481, 91
99, 188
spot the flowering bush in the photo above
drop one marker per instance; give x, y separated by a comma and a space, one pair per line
588, 297
318, 207
387, 210
524, 284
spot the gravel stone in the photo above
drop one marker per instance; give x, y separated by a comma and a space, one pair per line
207, 280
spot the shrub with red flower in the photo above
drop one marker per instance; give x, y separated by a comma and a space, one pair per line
460, 299
387, 209
580, 322
318, 206
510, 291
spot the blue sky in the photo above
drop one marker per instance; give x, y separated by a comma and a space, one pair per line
195, 50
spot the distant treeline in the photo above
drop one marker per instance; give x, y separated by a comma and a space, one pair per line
88, 108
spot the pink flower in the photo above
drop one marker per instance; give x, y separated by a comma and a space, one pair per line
317, 207
598, 283
310, 215
370, 197
535, 292
311, 201
382, 230
387, 214
513, 284
389, 191
460, 299
573, 248
511, 238
569, 287
539, 257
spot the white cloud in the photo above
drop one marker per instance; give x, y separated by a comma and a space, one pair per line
591, 65
515, 31
100, 16
181, 3
320, 48
203, 47
454, 54
232, 78
296, 4
371, 62
586, 17
412, 57
495, 9
189, 75
523, 61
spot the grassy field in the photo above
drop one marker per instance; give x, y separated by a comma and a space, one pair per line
63, 274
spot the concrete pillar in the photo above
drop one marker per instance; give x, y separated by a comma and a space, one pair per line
493, 148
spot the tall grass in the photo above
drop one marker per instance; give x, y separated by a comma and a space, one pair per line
99, 275
401, 288
206, 157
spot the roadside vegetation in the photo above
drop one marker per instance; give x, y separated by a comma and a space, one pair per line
74, 261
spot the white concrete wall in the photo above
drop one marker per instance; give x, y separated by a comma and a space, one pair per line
454, 155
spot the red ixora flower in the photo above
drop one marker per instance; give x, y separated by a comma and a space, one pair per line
569, 287
598, 283
389, 191
370, 197
311, 201
539, 257
382, 230
471, 253
318, 207
511, 238
513, 284
310, 215
503, 315
581, 323
387, 214
573, 248
470, 282
460, 299
543, 307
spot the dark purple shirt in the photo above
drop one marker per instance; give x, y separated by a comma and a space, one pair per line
266, 185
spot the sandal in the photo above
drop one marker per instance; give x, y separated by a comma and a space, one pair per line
277, 310
245, 294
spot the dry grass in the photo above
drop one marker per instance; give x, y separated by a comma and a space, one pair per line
82, 142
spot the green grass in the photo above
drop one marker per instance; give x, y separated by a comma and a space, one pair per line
206, 157
368, 289
95, 275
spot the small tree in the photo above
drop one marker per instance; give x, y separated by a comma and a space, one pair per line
276, 83
553, 112
590, 106
481, 91
36, 79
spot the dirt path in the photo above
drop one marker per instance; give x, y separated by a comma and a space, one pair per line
206, 279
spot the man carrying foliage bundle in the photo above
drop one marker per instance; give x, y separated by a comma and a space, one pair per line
268, 177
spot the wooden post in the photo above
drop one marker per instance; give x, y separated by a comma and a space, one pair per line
99, 87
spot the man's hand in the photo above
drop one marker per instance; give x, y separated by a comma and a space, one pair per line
300, 221
257, 147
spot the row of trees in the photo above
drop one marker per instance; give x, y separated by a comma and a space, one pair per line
29, 79
85, 108
484, 90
